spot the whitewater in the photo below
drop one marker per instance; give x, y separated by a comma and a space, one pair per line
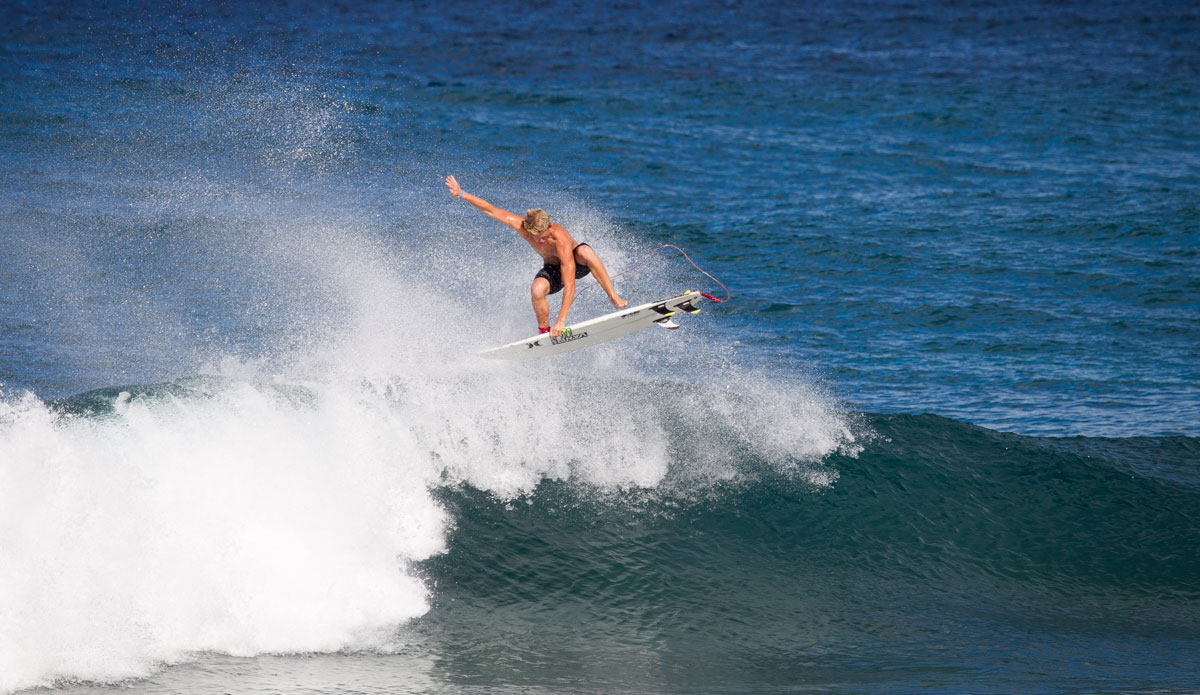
249, 510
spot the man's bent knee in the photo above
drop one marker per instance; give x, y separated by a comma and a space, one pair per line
540, 288
584, 255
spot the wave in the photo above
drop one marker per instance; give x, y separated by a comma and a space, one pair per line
144, 525
247, 513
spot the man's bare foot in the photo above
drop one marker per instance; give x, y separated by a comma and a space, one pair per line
619, 303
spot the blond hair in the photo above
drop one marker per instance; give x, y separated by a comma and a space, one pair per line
536, 221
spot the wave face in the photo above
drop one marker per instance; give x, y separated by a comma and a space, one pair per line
942, 550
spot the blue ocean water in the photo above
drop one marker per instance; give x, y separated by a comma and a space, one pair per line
944, 438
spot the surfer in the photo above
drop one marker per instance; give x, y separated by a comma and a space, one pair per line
563, 260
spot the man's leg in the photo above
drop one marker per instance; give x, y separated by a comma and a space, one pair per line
585, 255
541, 307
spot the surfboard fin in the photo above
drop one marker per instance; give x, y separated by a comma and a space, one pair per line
667, 323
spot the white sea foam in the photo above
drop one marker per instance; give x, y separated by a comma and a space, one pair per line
233, 523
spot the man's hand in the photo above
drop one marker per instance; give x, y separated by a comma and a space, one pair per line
455, 189
557, 329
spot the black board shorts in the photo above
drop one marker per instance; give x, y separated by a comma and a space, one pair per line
553, 273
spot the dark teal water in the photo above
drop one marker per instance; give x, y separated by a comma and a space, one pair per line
946, 557
943, 438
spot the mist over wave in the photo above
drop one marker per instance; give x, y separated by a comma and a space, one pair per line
276, 503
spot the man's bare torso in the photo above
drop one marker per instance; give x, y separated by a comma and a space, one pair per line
548, 244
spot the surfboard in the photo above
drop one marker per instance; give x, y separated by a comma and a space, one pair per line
602, 329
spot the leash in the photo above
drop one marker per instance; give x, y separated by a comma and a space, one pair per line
642, 262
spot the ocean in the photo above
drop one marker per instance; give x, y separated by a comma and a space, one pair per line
944, 437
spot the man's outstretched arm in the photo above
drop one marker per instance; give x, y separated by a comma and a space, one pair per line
483, 206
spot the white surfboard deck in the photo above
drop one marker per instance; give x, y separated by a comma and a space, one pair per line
620, 323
